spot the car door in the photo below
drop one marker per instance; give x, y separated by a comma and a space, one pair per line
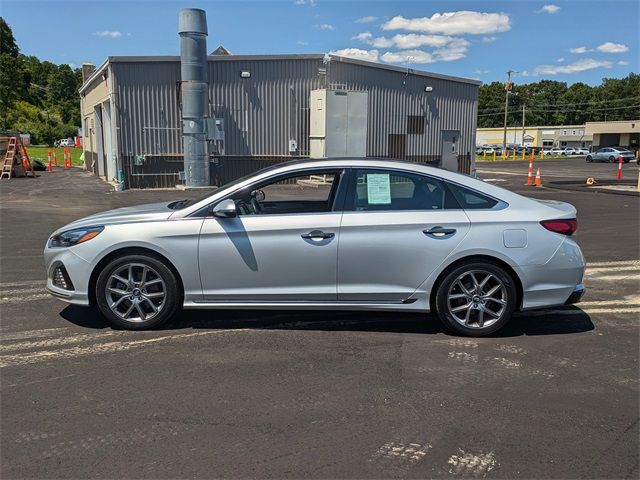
281, 246
602, 154
395, 232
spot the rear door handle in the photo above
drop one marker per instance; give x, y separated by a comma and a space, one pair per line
439, 232
317, 235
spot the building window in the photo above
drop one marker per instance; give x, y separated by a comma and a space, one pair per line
574, 132
564, 132
86, 126
415, 124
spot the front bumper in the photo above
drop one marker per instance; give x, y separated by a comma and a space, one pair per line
78, 270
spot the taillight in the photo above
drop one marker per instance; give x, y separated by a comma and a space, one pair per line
564, 227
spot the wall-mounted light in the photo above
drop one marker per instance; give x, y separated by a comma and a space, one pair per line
245, 74
428, 88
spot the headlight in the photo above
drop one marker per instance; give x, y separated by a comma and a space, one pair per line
74, 237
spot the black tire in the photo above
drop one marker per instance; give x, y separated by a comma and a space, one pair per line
612, 159
161, 290
589, 159
449, 285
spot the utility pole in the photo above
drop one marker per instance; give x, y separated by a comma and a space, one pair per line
522, 141
507, 87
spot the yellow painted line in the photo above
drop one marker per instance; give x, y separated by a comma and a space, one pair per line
110, 347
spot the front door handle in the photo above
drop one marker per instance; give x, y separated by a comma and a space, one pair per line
439, 232
317, 235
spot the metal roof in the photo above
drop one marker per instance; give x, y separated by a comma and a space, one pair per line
304, 56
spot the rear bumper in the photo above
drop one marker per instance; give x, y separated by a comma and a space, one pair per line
577, 295
557, 281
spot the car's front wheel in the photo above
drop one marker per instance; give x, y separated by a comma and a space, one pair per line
589, 159
612, 159
137, 292
476, 299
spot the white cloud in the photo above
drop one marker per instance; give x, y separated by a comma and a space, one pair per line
300, 42
489, 39
575, 67
623, 62
108, 33
408, 56
610, 47
326, 26
357, 53
478, 71
549, 9
407, 41
561, 59
311, 3
453, 51
367, 19
579, 50
453, 23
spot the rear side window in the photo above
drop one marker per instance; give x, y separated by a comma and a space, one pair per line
470, 199
394, 190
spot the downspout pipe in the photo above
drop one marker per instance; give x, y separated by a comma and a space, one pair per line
192, 28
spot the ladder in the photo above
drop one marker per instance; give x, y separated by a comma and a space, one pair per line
8, 165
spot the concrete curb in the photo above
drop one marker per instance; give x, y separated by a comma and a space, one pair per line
573, 186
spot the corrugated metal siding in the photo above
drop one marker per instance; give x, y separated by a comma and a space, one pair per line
394, 95
262, 113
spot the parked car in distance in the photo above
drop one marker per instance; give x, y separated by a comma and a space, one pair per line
569, 151
611, 155
582, 151
412, 238
546, 150
557, 151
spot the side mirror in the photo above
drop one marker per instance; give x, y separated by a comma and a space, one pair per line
225, 209
258, 195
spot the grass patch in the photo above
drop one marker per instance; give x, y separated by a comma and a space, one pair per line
40, 153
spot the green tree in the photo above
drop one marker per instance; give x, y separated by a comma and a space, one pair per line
11, 73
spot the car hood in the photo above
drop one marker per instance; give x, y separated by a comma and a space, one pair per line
140, 213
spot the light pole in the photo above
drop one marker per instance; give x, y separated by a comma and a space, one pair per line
507, 87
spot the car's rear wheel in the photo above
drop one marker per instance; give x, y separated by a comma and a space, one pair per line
137, 292
476, 299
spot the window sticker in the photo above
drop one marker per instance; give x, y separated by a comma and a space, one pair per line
378, 189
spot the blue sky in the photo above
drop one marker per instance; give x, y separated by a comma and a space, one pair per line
572, 41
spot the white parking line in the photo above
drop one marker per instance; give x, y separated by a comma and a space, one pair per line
45, 332
52, 342
110, 347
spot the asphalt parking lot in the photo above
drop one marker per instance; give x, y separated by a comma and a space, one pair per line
323, 395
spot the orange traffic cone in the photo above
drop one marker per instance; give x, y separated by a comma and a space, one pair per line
538, 179
530, 174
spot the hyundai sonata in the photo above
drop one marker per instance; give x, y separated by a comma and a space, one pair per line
344, 234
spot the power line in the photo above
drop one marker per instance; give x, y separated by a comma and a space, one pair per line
534, 105
557, 111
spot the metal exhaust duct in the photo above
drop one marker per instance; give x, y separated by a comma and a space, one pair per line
192, 27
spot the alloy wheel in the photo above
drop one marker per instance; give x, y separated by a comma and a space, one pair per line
135, 292
477, 299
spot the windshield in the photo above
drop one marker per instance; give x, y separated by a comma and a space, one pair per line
187, 203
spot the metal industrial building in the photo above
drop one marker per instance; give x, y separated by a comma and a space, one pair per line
261, 113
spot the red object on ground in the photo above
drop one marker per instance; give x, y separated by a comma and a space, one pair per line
620, 160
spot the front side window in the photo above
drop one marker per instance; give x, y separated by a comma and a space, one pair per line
309, 192
393, 190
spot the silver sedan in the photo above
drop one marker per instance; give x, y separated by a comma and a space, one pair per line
345, 234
